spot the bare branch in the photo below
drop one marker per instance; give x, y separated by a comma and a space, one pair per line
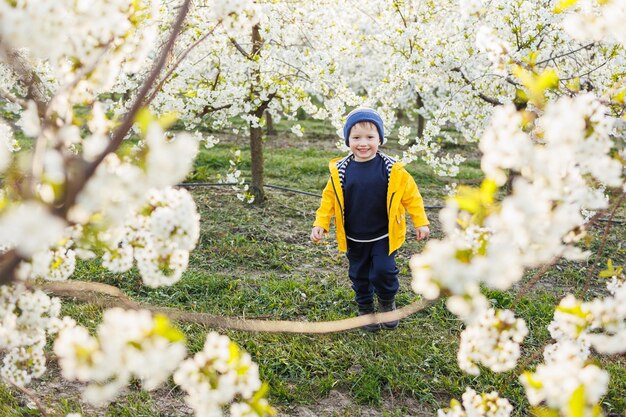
12, 98
210, 109
484, 97
240, 49
27, 76
93, 292
565, 54
10, 260
180, 59
31, 396
127, 123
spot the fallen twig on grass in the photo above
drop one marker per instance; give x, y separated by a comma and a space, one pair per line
96, 293
43, 410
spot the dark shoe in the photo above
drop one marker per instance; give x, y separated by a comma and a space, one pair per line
365, 309
385, 306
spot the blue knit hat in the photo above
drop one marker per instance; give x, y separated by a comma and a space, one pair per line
363, 114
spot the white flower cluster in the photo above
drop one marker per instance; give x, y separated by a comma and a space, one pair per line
8, 145
233, 176
26, 317
551, 188
29, 227
169, 233
236, 15
566, 376
159, 237
478, 405
168, 162
219, 375
600, 323
73, 35
55, 264
597, 20
497, 50
470, 7
129, 344
565, 379
494, 341
403, 135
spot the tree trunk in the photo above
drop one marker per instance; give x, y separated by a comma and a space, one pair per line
421, 121
256, 164
256, 133
269, 124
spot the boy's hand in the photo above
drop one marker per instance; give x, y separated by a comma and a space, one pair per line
317, 234
422, 232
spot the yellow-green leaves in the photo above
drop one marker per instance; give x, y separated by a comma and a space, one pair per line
259, 405
536, 84
163, 328
576, 403
620, 96
544, 412
611, 271
479, 202
564, 5
531, 381
145, 117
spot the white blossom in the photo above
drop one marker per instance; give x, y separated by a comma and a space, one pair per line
494, 341
30, 228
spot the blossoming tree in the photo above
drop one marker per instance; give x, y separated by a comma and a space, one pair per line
275, 62
54, 209
542, 85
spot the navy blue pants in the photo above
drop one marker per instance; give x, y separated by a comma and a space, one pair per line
372, 270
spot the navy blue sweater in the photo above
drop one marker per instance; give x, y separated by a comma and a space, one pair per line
365, 196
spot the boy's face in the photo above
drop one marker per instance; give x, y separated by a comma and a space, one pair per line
364, 140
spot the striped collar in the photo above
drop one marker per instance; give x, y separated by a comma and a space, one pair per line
342, 164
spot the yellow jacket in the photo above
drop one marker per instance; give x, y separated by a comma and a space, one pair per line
402, 195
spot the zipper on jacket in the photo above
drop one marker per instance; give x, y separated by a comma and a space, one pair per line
336, 196
390, 201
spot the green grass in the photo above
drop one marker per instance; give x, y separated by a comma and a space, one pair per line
256, 262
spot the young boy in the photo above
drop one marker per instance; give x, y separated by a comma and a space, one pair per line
368, 193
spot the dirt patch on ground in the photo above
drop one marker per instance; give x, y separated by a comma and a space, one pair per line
339, 404
169, 402
53, 391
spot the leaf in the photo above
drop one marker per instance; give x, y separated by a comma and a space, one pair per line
619, 97
610, 271
564, 5
531, 59
163, 328
576, 403
480, 202
530, 379
168, 119
543, 412
537, 84
143, 118
574, 84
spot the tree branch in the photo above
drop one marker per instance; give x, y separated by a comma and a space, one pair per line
118, 136
486, 98
31, 396
109, 296
27, 76
180, 59
565, 54
11, 259
240, 49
